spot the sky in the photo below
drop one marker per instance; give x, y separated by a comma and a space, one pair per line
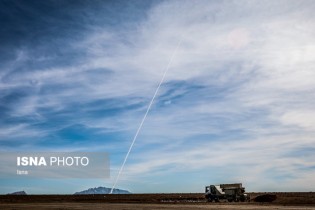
237, 104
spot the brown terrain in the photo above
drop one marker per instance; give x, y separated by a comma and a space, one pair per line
290, 200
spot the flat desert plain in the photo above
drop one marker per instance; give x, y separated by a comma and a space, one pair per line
185, 201
137, 206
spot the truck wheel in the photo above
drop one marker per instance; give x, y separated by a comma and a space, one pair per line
230, 200
209, 199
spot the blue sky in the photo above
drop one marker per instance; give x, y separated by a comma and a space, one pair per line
237, 104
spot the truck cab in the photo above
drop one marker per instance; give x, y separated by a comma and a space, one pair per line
214, 193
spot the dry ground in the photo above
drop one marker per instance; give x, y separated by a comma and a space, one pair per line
184, 201
117, 206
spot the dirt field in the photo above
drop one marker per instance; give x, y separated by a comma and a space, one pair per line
112, 206
185, 201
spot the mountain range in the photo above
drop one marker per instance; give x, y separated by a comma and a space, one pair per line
101, 190
18, 193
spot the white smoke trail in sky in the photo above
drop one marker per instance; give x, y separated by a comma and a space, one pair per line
146, 113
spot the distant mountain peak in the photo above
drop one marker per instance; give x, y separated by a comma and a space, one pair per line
101, 190
18, 193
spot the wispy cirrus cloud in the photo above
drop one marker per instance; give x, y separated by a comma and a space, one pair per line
239, 94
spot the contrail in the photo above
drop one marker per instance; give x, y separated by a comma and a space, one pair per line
146, 113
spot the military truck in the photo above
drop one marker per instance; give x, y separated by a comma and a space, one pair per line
231, 192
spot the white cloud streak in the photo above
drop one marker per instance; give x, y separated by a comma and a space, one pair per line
259, 54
